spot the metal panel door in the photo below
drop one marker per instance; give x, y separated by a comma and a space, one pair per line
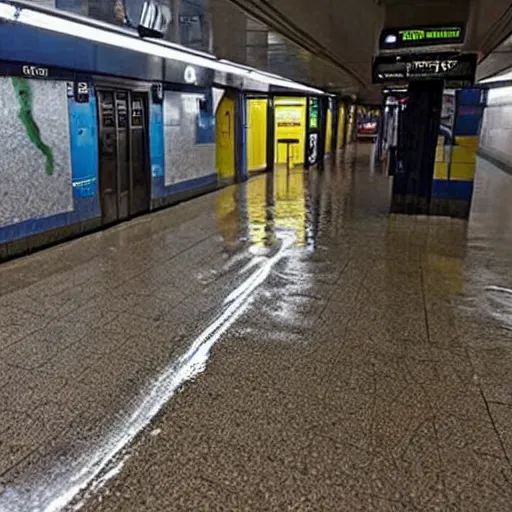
124, 169
139, 168
108, 156
123, 163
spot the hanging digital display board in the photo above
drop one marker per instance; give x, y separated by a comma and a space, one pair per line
453, 67
397, 38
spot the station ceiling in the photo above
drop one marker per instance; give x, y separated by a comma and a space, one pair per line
330, 43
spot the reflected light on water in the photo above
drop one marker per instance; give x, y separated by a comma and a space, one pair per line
56, 491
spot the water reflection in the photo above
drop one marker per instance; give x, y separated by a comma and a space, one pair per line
228, 224
309, 205
262, 207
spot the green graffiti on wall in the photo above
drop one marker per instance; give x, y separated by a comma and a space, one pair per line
24, 97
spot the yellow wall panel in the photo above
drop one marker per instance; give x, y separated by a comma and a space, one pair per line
328, 133
461, 154
440, 153
256, 134
441, 171
469, 142
341, 127
225, 138
460, 171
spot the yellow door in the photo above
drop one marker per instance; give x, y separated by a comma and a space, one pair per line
225, 138
256, 134
290, 123
328, 133
341, 126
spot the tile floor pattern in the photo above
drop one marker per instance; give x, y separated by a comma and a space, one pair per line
363, 362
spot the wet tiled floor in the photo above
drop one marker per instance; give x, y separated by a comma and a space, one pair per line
279, 345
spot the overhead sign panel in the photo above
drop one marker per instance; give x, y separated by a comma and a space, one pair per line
453, 67
397, 38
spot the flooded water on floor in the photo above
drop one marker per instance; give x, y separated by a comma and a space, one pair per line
116, 323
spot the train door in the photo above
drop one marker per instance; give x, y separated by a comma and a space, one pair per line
123, 154
139, 155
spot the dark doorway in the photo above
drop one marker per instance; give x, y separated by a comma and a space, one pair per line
124, 154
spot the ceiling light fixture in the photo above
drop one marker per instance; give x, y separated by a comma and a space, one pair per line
7, 12
504, 77
282, 82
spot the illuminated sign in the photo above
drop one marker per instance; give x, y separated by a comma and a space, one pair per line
430, 35
405, 68
396, 38
313, 113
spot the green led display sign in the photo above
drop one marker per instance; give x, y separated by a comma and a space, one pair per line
392, 39
430, 35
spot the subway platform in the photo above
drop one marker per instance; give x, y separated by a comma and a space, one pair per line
283, 344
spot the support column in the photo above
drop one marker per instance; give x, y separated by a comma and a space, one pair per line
419, 129
241, 139
271, 134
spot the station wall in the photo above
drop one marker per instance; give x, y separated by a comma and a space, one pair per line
496, 134
189, 137
49, 170
35, 167
49, 167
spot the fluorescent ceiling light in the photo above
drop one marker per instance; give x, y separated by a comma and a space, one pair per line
499, 94
7, 12
282, 82
271, 79
123, 39
507, 75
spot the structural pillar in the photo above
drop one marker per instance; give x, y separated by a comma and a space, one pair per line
417, 141
271, 134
